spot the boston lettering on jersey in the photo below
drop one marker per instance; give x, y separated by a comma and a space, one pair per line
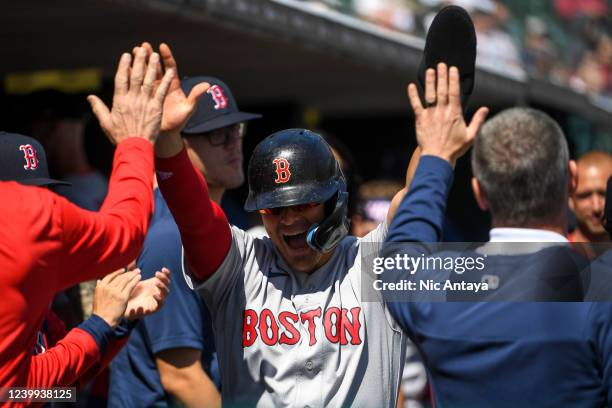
341, 326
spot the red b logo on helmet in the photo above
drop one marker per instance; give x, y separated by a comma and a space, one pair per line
282, 171
29, 154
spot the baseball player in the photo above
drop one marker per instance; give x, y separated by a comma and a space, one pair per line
290, 326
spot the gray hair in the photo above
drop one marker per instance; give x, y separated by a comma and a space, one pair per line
520, 159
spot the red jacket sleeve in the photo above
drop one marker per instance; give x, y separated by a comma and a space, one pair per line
96, 243
62, 364
204, 229
72, 359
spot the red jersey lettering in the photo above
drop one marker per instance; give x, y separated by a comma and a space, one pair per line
249, 333
340, 325
268, 331
351, 326
309, 317
284, 319
332, 324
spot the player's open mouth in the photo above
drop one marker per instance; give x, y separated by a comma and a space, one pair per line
296, 241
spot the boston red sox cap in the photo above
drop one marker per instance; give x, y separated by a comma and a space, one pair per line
217, 108
23, 159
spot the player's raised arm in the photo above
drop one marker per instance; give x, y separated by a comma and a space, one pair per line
447, 101
204, 229
443, 137
98, 242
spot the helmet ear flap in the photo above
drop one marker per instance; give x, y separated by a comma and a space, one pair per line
325, 236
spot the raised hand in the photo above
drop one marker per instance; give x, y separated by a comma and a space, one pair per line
112, 294
138, 99
178, 107
440, 128
148, 296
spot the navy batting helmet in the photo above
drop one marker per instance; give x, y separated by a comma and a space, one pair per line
296, 166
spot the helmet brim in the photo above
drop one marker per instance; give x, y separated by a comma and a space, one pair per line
293, 195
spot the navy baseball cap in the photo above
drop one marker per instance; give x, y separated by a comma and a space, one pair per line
23, 159
451, 39
217, 108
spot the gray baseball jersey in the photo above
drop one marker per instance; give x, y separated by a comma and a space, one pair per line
288, 339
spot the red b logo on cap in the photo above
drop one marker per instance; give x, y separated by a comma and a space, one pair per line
282, 171
29, 154
218, 96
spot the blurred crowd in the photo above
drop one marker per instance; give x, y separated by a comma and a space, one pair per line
566, 42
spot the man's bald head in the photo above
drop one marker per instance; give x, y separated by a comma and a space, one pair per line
588, 200
595, 158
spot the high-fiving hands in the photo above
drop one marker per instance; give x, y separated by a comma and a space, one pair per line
148, 295
123, 294
138, 99
148, 100
440, 128
178, 107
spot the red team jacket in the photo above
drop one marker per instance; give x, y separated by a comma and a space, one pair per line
47, 245
54, 334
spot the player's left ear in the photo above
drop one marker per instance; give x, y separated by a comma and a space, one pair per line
480, 195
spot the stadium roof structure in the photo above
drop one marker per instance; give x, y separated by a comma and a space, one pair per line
268, 50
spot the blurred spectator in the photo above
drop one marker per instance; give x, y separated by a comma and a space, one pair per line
588, 200
496, 48
593, 74
394, 14
573, 8
373, 201
539, 54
